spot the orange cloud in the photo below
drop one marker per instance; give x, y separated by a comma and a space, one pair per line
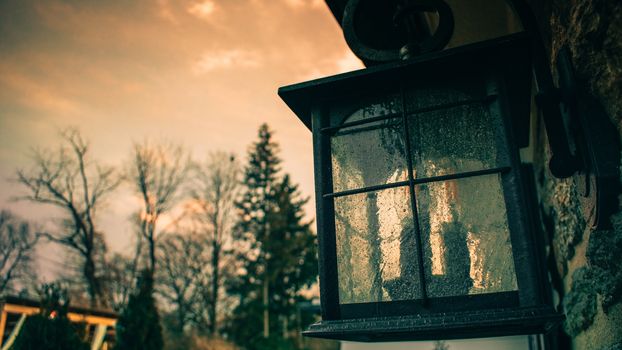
164, 11
211, 61
203, 9
305, 3
125, 70
29, 92
347, 62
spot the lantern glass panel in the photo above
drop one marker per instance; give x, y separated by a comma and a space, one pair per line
466, 238
362, 108
368, 155
376, 249
451, 140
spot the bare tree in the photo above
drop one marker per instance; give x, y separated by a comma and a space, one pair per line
214, 189
123, 272
68, 180
182, 276
120, 279
157, 173
17, 242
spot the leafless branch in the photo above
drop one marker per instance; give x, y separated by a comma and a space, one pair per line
214, 189
17, 242
157, 173
68, 180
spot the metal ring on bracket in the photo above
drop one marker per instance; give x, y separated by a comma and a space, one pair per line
445, 28
437, 41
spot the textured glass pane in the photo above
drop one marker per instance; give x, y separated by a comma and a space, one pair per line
345, 114
451, 140
366, 157
376, 250
466, 239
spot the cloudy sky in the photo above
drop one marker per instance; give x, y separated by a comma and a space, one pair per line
201, 72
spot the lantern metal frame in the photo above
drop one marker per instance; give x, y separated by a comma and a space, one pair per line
502, 61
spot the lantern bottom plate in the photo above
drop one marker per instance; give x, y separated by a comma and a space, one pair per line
446, 325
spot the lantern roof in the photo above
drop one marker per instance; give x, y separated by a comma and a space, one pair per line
511, 55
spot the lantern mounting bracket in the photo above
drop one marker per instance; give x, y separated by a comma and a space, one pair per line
593, 140
402, 32
582, 140
408, 16
564, 161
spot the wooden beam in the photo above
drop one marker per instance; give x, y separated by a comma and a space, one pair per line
2, 325
73, 316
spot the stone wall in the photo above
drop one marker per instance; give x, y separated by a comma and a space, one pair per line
585, 264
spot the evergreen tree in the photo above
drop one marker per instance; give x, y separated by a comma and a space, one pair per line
138, 327
292, 247
279, 251
51, 328
260, 178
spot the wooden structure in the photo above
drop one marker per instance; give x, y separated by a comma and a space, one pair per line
100, 324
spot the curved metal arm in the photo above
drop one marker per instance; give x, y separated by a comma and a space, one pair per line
564, 162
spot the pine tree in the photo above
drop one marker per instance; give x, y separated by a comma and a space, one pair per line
138, 326
292, 246
260, 177
279, 255
51, 328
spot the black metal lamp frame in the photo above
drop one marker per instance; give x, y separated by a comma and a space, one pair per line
501, 63
581, 142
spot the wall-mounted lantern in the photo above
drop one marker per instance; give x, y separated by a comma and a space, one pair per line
423, 224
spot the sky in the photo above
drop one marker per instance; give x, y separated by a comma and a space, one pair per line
203, 73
